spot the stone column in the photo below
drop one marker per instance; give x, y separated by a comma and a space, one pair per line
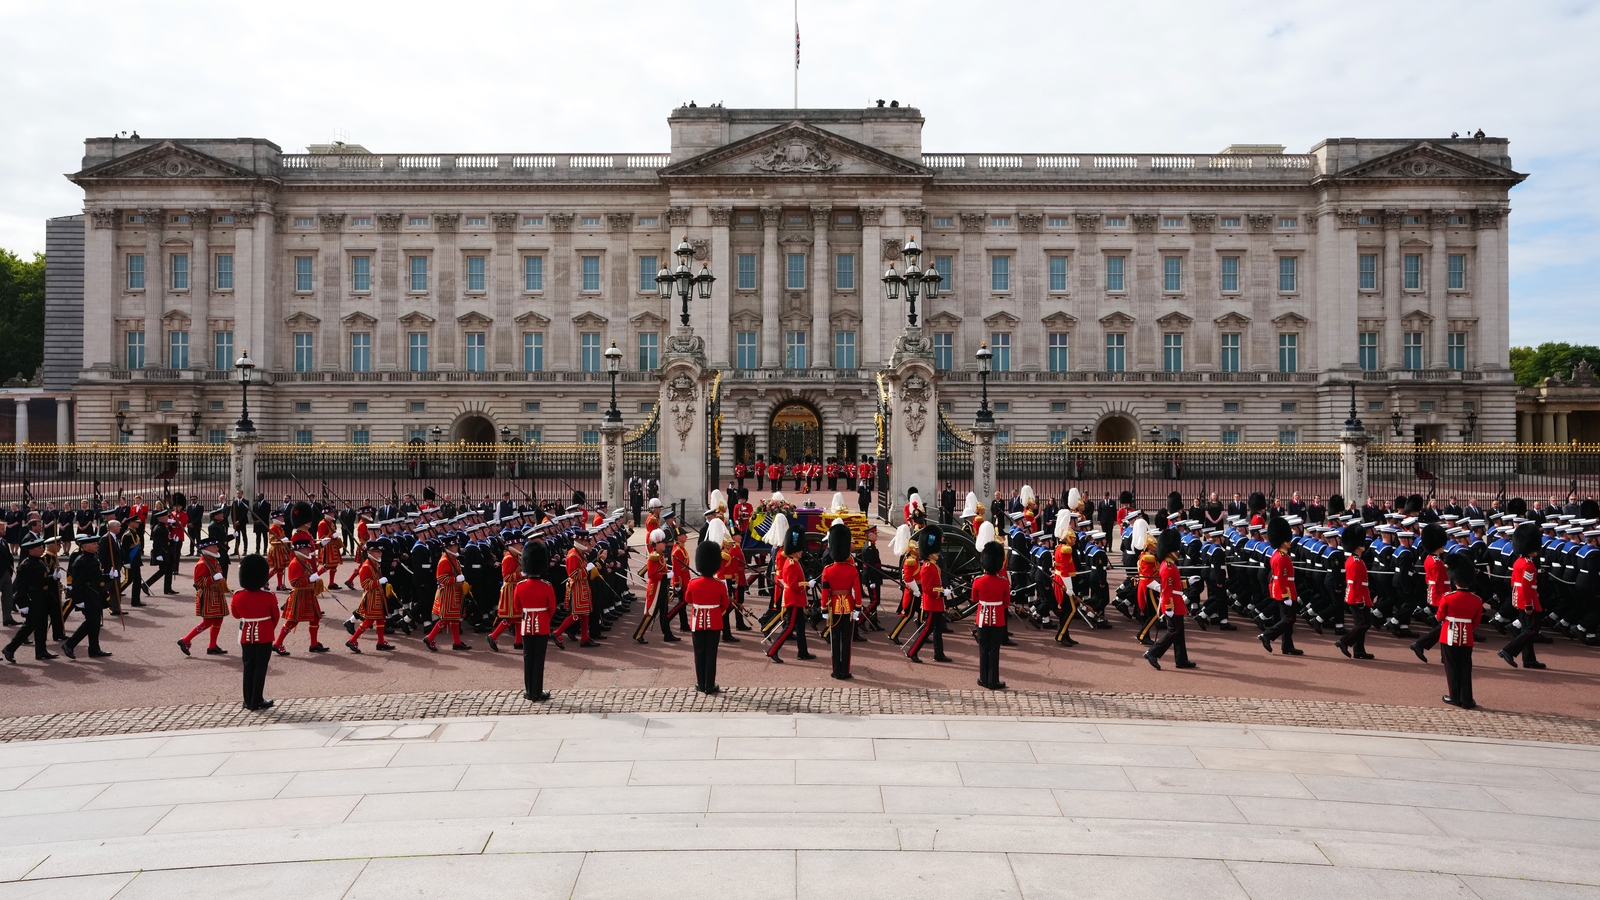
242, 458
983, 460
1438, 289
821, 289
1525, 433
329, 349
155, 286
1392, 328
1547, 428
722, 269
63, 421
559, 289
612, 480
1353, 463
685, 391
22, 421
771, 327
1561, 428
200, 349
872, 302
1028, 288
914, 416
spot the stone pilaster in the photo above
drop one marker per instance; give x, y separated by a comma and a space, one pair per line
983, 460
914, 415
242, 468
771, 327
612, 479
685, 394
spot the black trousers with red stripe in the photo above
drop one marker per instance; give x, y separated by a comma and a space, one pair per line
932, 624
841, 636
793, 624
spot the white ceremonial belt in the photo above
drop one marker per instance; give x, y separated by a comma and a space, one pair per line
991, 603
261, 619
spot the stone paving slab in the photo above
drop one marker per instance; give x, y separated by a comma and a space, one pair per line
1414, 720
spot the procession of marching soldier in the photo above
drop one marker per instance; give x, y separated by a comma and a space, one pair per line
527, 575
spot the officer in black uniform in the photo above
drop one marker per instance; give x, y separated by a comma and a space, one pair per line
91, 592
32, 595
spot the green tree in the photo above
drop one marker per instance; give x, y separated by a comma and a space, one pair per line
1534, 364
21, 315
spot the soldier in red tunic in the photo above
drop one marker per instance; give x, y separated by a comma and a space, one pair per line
1436, 579
1281, 592
535, 600
510, 574
1063, 569
790, 594
1525, 597
301, 605
1459, 613
580, 597
993, 594
658, 589
374, 608
1357, 592
448, 596
277, 550
1171, 607
840, 587
933, 596
257, 613
707, 598
210, 598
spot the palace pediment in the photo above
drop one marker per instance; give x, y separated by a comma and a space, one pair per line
1427, 161
796, 150
165, 161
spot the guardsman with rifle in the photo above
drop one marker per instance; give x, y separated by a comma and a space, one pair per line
211, 597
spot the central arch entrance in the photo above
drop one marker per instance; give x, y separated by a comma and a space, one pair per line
474, 430
1115, 430
794, 433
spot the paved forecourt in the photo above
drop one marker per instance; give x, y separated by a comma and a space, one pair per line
756, 805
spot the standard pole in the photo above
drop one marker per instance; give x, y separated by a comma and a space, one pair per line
796, 54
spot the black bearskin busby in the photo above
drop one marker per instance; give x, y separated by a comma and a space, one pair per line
707, 559
929, 542
1433, 537
1525, 540
1517, 506
1413, 504
1336, 505
1168, 543
178, 500
1400, 503
427, 493
794, 540
253, 572
578, 498
1353, 538
535, 560
994, 557
1125, 498
1462, 573
744, 494
1279, 532
839, 543
303, 516
1257, 501
1174, 502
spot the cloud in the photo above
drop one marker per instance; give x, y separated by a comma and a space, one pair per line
1020, 76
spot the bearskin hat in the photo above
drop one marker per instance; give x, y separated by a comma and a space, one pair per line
1174, 502
1414, 504
1517, 506
1168, 543
427, 493
535, 559
929, 542
1462, 572
1353, 538
578, 498
1433, 537
302, 514
253, 572
1257, 501
1525, 540
1335, 504
839, 542
1278, 531
178, 500
994, 557
1125, 498
708, 558
794, 540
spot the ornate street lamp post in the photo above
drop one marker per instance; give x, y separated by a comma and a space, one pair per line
914, 281
985, 361
685, 278
614, 365
244, 366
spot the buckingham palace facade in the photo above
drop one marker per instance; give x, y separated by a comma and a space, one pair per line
1230, 296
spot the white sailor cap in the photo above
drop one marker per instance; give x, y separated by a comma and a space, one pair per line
1097, 535
1408, 521
1592, 533
1388, 529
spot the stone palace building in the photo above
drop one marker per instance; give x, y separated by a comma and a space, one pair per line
1222, 297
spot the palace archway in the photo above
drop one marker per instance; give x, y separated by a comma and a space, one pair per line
794, 432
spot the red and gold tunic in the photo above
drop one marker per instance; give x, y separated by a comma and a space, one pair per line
301, 604
535, 602
651, 523
708, 602
332, 553
1172, 599
1459, 614
447, 598
277, 548
257, 612
510, 574
1066, 565
1525, 585
363, 533
210, 589
1281, 587
325, 529
1030, 521
993, 594
373, 605
580, 601
1437, 578
841, 588
655, 573
732, 568
791, 584
1149, 572
1356, 590
932, 588
680, 566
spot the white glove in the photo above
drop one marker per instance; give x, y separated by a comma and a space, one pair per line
217, 577
812, 583
383, 581
56, 575
916, 590
589, 567
116, 573
460, 578
23, 610
1289, 602
315, 576
948, 593
855, 615
161, 559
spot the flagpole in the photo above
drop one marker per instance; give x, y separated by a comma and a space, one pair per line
796, 54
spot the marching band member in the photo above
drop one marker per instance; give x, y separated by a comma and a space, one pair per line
305, 583
933, 596
841, 596
506, 608
257, 614
448, 595
1281, 593
707, 599
1525, 597
374, 607
535, 599
210, 598
1357, 592
790, 590
1171, 606
992, 592
1459, 613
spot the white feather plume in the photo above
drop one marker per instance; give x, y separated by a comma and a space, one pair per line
986, 534
778, 531
901, 541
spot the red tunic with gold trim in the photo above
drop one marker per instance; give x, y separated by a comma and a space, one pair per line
680, 566
1066, 565
580, 602
257, 612
210, 589
1437, 578
1525, 585
791, 584
993, 594
932, 588
277, 548
1030, 520
841, 588
1459, 614
1356, 590
708, 601
373, 605
1149, 572
1172, 599
1281, 587
655, 570
363, 533
301, 605
332, 553
447, 598
732, 568
510, 575
535, 601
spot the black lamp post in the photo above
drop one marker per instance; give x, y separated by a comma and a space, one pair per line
614, 365
685, 279
245, 367
1396, 421
437, 433
122, 424
505, 434
1472, 426
1353, 423
985, 360
914, 280
194, 423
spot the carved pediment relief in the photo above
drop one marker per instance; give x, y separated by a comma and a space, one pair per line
745, 321
359, 319
175, 317
589, 320
302, 320
1232, 320
844, 318
795, 150
1116, 320
796, 239
1416, 317
1430, 161
416, 319
1060, 320
474, 320
1175, 320
177, 243
648, 321
166, 160
943, 319
1291, 320
531, 318
1001, 319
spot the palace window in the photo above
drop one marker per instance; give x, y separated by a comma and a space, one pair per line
419, 273
590, 222
845, 273
589, 351
302, 436
222, 351
1116, 351
1172, 351
649, 350
304, 352
649, 221
1058, 436
944, 345
476, 273
180, 271
1231, 406
1366, 220
477, 352
647, 273
224, 267
1058, 222
1457, 268
591, 273
1172, 273
134, 344
361, 273
1288, 223
796, 272
1114, 272
1170, 222
844, 349
591, 436
1288, 406
945, 265
747, 271
361, 351
357, 222
360, 436
1288, 352
1288, 272
1411, 351
533, 351
1116, 221
1057, 357
533, 273
135, 271
1230, 274
746, 350
1230, 222
1456, 350
944, 222
307, 222
1230, 435
533, 436
532, 221
1367, 350
476, 221
1058, 273
418, 346
794, 349
302, 274
415, 221
1000, 273
1230, 351
1000, 343
178, 350
1288, 436
1412, 272
1413, 220
1367, 272
999, 221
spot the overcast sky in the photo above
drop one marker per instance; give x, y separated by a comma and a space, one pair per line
989, 75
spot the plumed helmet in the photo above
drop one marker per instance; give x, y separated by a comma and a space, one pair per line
1414, 503
993, 556
915, 500
1433, 537
1140, 535
1278, 531
1462, 572
777, 497
901, 541
657, 536
1517, 506
837, 502
253, 572
708, 558
1063, 524
1125, 498
1353, 538
1075, 500
794, 541
929, 542
839, 542
1335, 504
986, 536
1257, 501
716, 501
777, 530
1174, 502
536, 559
655, 503
1170, 542
969, 510
716, 532
1525, 540
1025, 494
